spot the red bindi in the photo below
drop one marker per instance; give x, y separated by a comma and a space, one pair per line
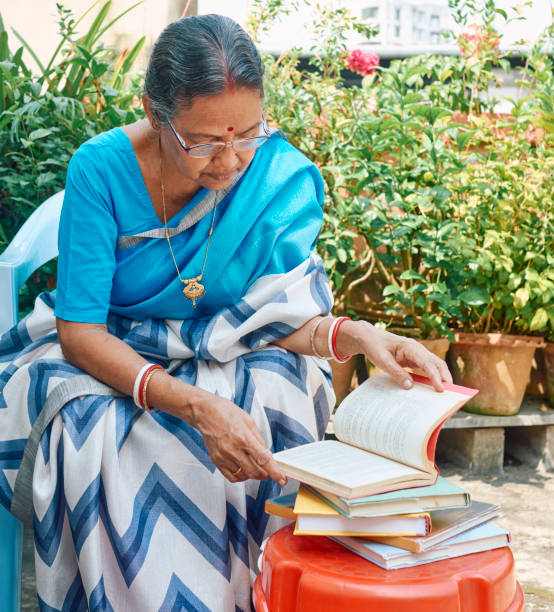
230, 128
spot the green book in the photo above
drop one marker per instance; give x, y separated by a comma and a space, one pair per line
442, 494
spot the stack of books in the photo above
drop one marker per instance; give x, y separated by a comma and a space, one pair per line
376, 490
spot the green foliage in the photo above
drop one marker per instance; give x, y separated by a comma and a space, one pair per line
85, 88
437, 214
508, 282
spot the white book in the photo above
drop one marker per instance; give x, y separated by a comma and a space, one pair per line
485, 537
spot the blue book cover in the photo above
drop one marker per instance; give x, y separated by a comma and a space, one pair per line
442, 494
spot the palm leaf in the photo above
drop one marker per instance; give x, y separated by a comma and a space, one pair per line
126, 62
29, 49
110, 24
76, 73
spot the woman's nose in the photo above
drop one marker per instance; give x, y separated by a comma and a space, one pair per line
227, 157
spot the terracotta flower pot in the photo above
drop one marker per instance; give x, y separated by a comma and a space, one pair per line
549, 372
537, 384
438, 347
499, 365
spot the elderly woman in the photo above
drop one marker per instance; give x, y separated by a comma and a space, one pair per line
193, 330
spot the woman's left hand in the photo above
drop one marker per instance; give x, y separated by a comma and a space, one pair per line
391, 353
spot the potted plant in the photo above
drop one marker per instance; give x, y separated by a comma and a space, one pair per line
507, 284
426, 219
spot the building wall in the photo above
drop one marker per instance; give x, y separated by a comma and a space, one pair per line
405, 23
36, 21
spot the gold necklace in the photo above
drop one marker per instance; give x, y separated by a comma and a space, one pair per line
193, 289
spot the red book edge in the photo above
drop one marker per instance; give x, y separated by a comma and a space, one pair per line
448, 386
467, 391
432, 444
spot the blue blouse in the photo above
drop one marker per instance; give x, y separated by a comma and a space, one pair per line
267, 224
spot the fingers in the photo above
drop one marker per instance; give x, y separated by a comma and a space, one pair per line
242, 468
262, 457
264, 466
445, 372
389, 364
433, 374
395, 353
244, 455
435, 368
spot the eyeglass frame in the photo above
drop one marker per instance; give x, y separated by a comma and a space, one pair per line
224, 145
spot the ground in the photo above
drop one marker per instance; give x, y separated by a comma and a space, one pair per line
526, 497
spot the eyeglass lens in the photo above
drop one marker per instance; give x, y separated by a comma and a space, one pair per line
246, 144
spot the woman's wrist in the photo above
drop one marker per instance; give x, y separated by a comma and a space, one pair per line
352, 337
176, 397
320, 333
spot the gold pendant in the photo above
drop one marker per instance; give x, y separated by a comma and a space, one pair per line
193, 289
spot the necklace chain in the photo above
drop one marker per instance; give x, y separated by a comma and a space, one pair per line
193, 289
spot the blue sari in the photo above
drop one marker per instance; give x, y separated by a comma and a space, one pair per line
267, 224
128, 510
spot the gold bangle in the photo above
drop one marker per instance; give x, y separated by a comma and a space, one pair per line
312, 338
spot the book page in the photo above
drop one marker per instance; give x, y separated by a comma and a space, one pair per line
381, 417
334, 462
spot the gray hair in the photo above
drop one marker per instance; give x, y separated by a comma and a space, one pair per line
200, 56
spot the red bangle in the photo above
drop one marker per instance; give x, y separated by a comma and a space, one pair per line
145, 377
336, 327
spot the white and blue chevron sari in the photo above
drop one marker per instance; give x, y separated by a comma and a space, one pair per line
128, 510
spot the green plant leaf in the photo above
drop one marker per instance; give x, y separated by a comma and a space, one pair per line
40, 133
539, 320
90, 37
115, 20
391, 290
475, 296
411, 274
29, 49
521, 297
4, 50
132, 55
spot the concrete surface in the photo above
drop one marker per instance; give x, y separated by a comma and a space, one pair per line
526, 496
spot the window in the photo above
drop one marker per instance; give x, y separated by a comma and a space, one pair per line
434, 22
397, 13
370, 12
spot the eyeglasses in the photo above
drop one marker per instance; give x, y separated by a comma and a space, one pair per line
208, 149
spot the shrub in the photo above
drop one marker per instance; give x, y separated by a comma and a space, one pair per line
85, 88
437, 214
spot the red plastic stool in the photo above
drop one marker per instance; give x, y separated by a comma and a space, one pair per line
310, 573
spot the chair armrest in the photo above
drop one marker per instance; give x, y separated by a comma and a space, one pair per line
33, 245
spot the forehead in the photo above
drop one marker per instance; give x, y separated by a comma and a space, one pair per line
238, 109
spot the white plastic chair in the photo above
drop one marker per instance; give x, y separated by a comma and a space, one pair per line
34, 244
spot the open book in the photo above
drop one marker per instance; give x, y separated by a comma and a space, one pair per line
386, 439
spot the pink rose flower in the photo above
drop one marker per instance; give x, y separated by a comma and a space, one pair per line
534, 136
362, 62
483, 40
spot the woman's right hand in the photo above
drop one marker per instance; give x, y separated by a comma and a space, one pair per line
234, 441
230, 434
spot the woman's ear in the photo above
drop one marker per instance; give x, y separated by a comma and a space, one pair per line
147, 105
